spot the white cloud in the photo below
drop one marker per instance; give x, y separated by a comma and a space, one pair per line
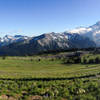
80, 30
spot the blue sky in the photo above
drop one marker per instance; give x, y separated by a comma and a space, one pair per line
34, 17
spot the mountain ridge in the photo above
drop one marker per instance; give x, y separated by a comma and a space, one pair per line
47, 42
83, 37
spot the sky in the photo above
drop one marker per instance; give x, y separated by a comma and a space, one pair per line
35, 17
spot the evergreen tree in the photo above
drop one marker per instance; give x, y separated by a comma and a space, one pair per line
97, 60
84, 61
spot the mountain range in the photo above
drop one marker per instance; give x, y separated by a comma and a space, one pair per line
82, 37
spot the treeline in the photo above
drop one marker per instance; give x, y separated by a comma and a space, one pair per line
80, 60
67, 50
29, 50
91, 60
92, 50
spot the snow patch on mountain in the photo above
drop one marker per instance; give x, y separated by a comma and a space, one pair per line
80, 30
7, 39
92, 32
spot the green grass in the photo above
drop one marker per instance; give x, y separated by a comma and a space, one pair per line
18, 74
21, 67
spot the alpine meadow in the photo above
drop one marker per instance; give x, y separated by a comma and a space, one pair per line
49, 50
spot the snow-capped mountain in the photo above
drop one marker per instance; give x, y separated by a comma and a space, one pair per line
7, 39
83, 37
47, 42
92, 32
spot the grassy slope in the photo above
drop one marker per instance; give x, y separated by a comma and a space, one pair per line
18, 67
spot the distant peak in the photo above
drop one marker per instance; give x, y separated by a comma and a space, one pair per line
98, 23
18, 36
6, 35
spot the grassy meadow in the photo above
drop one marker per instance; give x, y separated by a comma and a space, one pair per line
21, 67
46, 78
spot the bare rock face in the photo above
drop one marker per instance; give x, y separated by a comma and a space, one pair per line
57, 41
